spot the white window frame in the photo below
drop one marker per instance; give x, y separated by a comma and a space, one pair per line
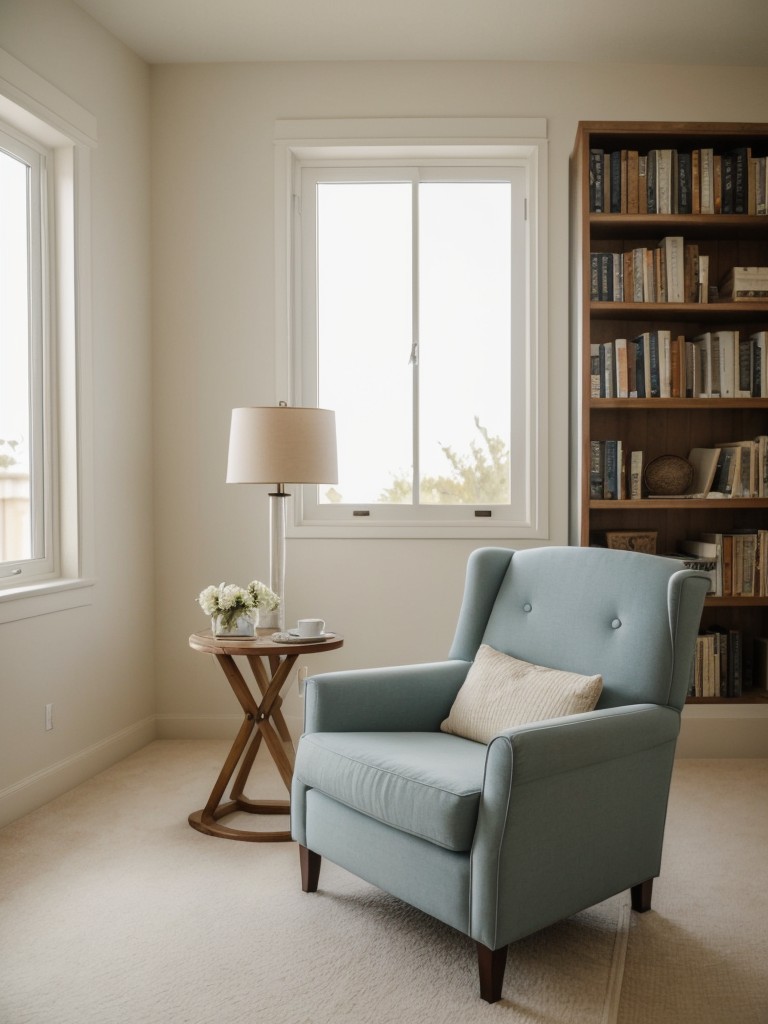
405, 142
36, 112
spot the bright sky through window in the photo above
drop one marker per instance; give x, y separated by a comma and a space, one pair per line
414, 322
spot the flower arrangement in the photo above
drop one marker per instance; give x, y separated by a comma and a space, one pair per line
228, 602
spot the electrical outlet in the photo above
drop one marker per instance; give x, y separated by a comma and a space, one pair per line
48, 717
302, 675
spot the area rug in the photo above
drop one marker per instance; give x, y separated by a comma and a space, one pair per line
115, 911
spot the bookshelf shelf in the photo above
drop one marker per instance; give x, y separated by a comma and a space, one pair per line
680, 504
757, 698
710, 225
672, 425
681, 404
689, 312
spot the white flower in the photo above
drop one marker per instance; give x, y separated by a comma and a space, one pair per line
262, 596
209, 600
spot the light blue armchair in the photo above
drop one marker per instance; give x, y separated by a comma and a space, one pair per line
501, 840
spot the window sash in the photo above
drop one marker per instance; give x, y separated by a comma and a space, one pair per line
517, 514
41, 563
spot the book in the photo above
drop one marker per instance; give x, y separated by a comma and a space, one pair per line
706, 170
684, 198
653, 362
704, 462
726, 470
691, 272
643, 365
673, 249
701, 564
743, 365
622, 368
636, 460
612, 470
759, 363
664, 181
703, 278
724, 345
703, 367
745, 284
594, 370
596, 180
710, 546
596, 469
642, 184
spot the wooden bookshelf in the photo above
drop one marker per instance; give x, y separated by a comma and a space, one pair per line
671, 425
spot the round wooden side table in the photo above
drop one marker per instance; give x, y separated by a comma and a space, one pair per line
271, 663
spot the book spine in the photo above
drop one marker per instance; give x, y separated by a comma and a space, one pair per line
596, 466
636, 475
596, 181
611, 476
651, 177
654, 362
616, 182
684, 201
640, 357
740, 164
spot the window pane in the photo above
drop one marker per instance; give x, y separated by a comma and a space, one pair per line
15, 526
464, 342
364, 335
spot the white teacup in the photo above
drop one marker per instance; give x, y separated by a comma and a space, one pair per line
310, 627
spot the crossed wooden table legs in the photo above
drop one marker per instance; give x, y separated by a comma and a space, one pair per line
263, 721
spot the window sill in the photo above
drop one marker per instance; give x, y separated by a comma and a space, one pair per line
44, 598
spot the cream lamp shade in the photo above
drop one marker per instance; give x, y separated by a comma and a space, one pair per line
280, 444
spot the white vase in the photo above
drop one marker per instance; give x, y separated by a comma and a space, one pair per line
240, 627
268, 619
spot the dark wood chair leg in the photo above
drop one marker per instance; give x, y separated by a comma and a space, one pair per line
310, 869
641, 896
491, 963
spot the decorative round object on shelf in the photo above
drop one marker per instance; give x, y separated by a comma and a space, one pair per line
668, 475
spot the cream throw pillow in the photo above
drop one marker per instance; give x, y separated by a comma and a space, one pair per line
500, 692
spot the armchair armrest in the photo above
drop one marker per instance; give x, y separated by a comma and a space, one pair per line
573, 808
404, 698
577, 741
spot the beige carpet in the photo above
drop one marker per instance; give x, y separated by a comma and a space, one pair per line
114, 911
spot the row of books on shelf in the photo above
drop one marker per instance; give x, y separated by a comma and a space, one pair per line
672, 271
722, 664
658, 364
736, 469
736, 561
669, 181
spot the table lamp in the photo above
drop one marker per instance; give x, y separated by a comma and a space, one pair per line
280, 445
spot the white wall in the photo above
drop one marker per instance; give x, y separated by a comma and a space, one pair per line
94, 663
162, 407
213, 330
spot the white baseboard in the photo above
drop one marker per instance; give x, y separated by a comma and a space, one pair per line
37, 789
724, 730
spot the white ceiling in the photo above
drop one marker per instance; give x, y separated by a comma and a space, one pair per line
648, 31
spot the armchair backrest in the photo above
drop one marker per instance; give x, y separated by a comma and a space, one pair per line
630, 617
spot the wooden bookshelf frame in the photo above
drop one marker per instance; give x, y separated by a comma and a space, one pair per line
666, 425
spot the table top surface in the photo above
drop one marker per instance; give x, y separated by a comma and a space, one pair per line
260, 645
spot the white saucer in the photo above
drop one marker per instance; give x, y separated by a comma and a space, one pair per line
292, 637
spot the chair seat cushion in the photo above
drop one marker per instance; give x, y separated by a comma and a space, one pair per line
426, 784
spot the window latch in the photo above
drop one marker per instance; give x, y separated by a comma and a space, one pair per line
414, 360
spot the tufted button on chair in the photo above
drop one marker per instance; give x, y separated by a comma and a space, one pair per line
502, 838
